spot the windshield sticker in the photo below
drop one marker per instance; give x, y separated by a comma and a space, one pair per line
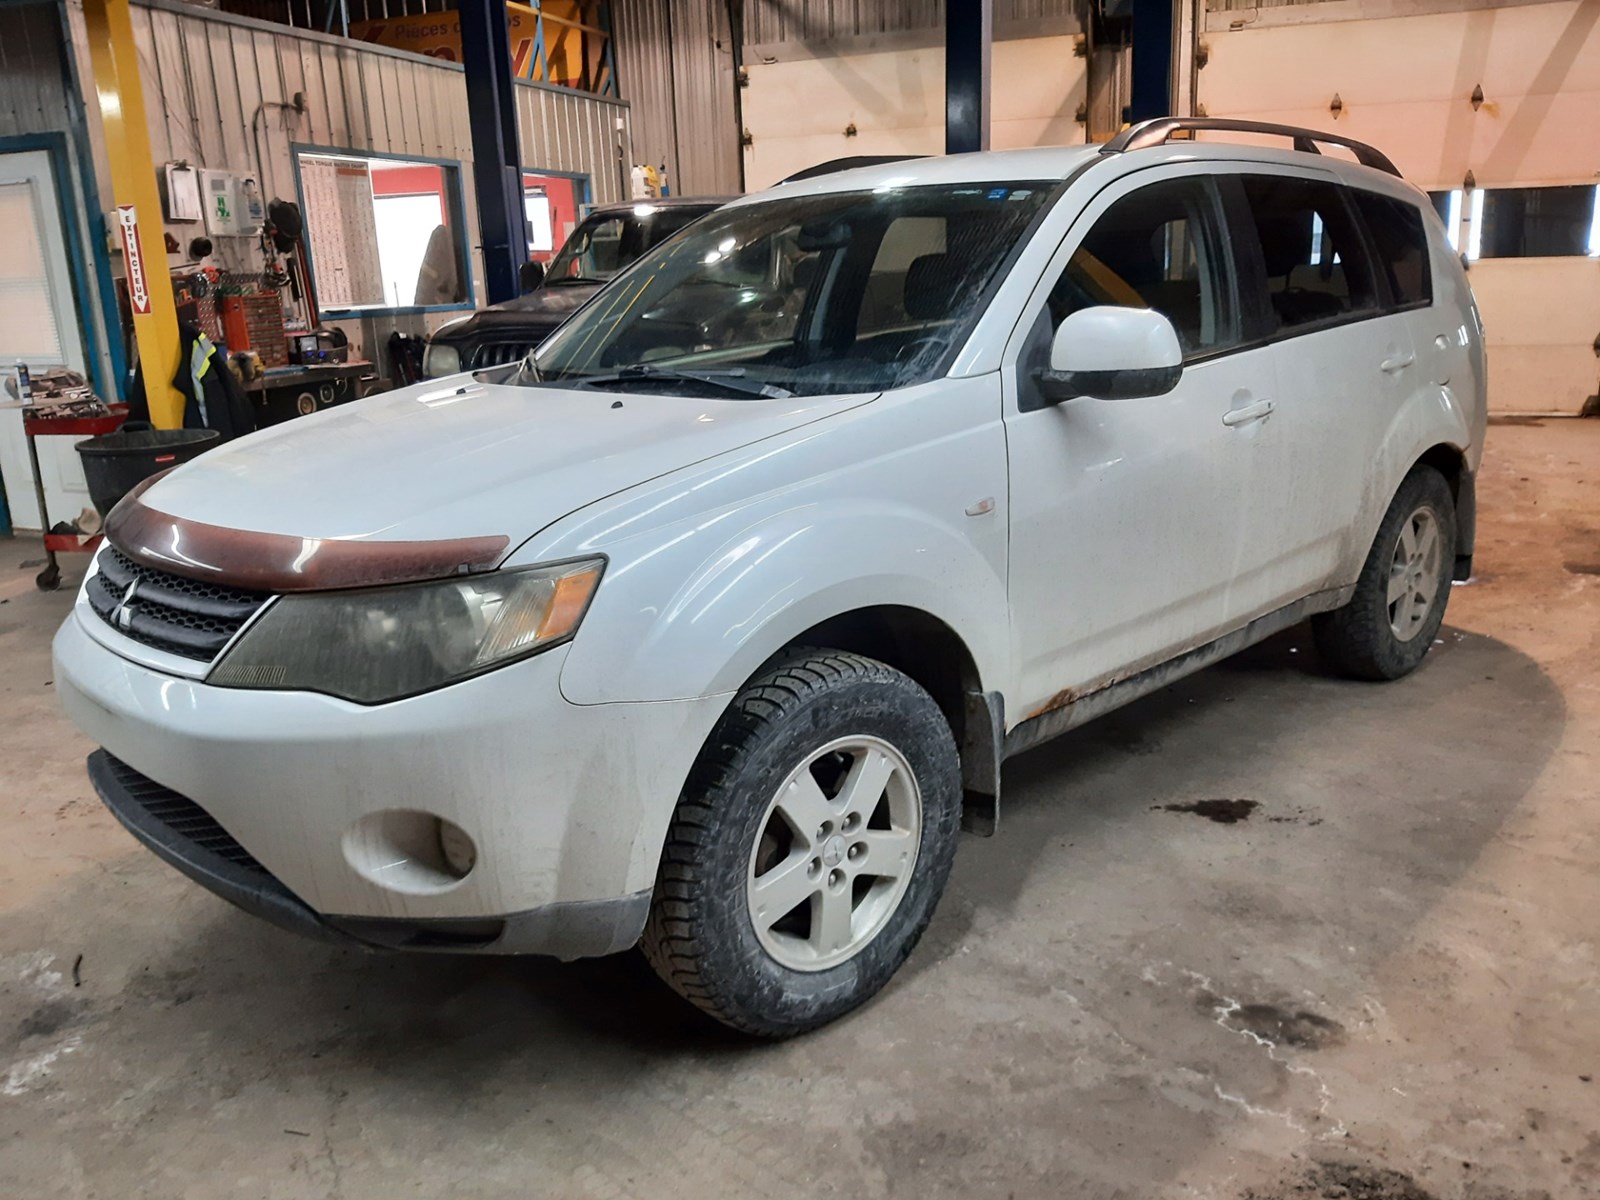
999, 193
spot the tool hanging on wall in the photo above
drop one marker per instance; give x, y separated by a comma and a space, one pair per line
282, 234
279, 233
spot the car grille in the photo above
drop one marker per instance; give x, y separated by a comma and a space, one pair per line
181, 816
496, 354
182, 616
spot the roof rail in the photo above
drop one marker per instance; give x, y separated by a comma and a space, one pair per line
847, 164
1160, 130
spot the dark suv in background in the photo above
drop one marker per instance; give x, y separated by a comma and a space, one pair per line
607, 240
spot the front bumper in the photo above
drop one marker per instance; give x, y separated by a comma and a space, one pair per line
182, 834
566, 804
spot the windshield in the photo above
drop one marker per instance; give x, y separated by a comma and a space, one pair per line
607, 242
809, 295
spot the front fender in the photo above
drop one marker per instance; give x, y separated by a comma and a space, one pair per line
696, 614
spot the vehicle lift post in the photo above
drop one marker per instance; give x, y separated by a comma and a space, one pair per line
968, 35
496, 165
115, 58
1155, 31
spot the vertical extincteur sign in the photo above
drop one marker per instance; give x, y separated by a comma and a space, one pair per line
133, 257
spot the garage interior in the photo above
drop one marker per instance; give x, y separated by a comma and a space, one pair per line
1262, 934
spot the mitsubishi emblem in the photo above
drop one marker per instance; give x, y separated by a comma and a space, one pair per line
122, 614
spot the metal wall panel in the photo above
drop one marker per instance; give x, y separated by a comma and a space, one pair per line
1244, 5
708, 132
213, 81
563, 130
675, 66
643, 40
33, 90
774, 22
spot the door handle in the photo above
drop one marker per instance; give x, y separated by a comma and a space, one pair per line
1398, 362
1250, 412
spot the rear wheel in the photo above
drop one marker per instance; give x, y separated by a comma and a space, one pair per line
810, 846
1389, 624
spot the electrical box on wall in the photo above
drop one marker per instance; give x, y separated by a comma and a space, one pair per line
233, 204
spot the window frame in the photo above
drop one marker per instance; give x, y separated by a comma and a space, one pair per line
583, 183
455, 198
1246, 239
1389, 302
1211, 177
1482, 221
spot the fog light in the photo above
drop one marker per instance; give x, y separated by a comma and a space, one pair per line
408, 851
460, 855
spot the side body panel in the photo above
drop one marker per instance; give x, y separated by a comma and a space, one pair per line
1438, 400
1339, 388
1127, 515
714, 568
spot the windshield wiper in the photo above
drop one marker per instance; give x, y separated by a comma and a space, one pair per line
575, 279
732, 380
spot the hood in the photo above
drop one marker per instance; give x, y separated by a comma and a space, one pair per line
540, 310
463, 459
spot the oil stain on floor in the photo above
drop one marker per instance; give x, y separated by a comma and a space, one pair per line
1298, 1027
1223, 812
1343, 1181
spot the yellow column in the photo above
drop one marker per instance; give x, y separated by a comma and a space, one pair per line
137, 221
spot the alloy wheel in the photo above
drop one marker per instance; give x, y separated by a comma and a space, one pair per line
1414, 575
835, 854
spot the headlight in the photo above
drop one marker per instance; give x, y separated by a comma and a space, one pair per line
377, 644
440, 359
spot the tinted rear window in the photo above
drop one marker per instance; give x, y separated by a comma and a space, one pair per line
1315, 260
1401, 242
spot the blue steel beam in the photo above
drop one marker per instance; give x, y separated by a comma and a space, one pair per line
1154, 32
968, 31
496, 169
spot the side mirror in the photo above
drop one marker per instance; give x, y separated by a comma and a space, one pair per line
1112, 353
532, 276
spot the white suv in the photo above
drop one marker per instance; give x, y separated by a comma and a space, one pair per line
707, 627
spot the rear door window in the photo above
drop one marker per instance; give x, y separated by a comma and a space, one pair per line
1401, 242
1317, 270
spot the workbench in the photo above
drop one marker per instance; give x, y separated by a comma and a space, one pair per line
283, 393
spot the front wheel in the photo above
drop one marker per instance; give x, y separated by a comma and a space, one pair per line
810, 845
1390, 622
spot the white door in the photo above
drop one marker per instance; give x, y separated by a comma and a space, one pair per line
1126, 515
38, 326
1345, 364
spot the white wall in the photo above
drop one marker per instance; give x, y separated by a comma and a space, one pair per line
1406, 85
1541, 316
796, 111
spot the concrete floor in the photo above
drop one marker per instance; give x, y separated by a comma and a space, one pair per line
1384, 983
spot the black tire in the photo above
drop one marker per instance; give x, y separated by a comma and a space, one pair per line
1359, 640
701, 937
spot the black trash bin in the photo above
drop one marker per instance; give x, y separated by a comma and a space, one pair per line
115, 463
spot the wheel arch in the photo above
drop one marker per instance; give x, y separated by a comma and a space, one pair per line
929, 651
1451, 462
